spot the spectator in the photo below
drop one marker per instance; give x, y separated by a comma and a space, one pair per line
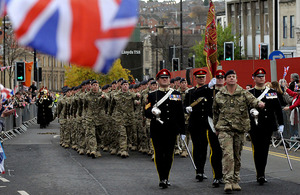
33, 89
294, 111
248, 87
294, 81
18, 100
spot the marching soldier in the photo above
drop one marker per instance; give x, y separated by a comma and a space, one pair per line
182, 90
122, 111
164, 108
264, 124
198, 102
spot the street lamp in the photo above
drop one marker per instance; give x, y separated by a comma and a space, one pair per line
156, 52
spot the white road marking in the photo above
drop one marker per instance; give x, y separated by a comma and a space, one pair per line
55, 136
3, 179
22, 192
2, 186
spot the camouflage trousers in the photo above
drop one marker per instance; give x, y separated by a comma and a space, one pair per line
90, 136
187, 139
73, 130
122, 136
142, 136
106, 137
67, 133
149, 142
81, 133
62, 129
98, 133
132, 135
231, 143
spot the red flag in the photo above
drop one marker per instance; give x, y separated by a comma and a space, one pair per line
210, 46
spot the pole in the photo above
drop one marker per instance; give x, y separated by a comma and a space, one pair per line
180, 64
4, 47
240, 30
156, 50
287, 154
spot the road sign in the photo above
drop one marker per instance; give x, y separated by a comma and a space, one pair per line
276, 55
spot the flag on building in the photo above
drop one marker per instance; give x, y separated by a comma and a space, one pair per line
88, 33
2, 157
210, 45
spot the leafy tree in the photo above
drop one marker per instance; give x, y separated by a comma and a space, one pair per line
74, 75
224, 35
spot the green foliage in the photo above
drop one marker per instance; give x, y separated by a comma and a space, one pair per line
74, 75
224, 35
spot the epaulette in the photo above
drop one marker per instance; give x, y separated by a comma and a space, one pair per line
153, 91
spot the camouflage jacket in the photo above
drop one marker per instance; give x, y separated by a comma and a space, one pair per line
230, 112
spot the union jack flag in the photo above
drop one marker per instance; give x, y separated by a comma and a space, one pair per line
6, 94
89, 33
2, 157
286, 69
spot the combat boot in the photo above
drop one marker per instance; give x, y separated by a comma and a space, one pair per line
98, 154
113, 151
133, 148
105, 149
177, 152
66, 146
124, 154
184, 154
236, 187
228, 187
81, 152
88, 152
93, 154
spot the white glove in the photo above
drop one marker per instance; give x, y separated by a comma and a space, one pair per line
189, 109
254, 112
212, 82
182, 136
280, 128
156, 111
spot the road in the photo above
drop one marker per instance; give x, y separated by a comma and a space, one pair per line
37, 165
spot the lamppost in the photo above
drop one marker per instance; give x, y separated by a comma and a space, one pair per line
180, 65
156, 51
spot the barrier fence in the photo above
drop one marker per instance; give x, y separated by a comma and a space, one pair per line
17, 123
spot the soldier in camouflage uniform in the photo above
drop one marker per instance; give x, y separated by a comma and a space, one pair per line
122, 110
60, 113
105, 135
182, 90
112, 135
80, 125
72, 121
231, 121
91, 103
67, 132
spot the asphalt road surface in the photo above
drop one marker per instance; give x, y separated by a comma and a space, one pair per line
36, 164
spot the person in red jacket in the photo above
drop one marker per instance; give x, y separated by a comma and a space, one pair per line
294, 112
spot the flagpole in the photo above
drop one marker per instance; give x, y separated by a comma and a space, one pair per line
181, 62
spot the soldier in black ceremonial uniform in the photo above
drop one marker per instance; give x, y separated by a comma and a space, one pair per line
164, 108
263, 124
198, 102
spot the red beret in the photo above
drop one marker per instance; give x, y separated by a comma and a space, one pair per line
220, 74
259, 72
200, 73
163, 73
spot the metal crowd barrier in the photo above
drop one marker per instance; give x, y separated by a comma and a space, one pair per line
17, 123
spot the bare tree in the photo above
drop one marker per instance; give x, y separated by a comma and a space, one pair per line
13, 52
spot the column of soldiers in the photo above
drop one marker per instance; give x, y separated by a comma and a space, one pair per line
113, 118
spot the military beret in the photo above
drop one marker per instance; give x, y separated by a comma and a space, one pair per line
172, 81
105, 87
229, 72
76, 88
120, 79
163, 73
259, 72
136, 86
182, 80
153, 82
94, 81
144, 82
200, 73
220, 74
73, 88
114, 82
124, 81
177, 78
131, 86
89, 81
151, 79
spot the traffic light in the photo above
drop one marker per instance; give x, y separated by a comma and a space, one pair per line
20, 71
191, 61
175, 64
264, 53
162, 64
228, 51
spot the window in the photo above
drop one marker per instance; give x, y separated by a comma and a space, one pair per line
292, 26
284, 26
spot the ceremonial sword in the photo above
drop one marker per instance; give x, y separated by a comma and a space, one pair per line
287, 155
